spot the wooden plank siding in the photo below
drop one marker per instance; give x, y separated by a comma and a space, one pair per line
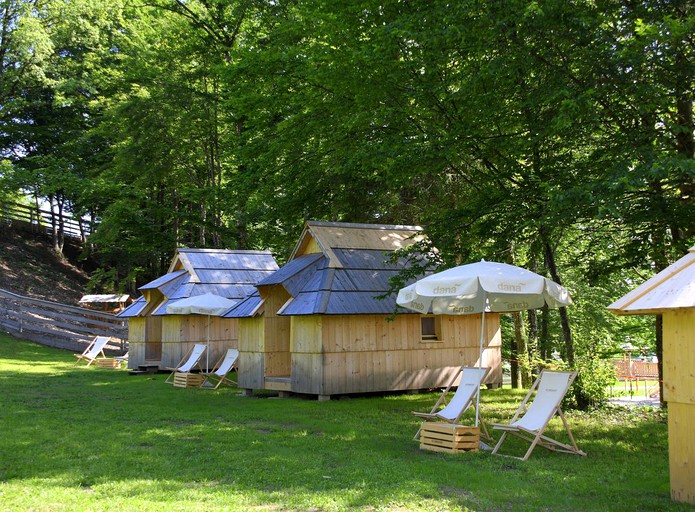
679, 392
165, 340
364, 353
276, 346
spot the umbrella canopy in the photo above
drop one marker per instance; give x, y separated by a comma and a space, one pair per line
206, 304
482, 286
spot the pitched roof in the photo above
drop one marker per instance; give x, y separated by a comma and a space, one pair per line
338, 269
672, 288
227, 273
327, 237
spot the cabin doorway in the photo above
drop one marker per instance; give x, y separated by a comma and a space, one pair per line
153, 338
277, 355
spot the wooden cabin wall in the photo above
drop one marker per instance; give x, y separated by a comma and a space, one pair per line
136, 342
181, 332
153, 339
364, 353
679, 392
276, 338
251, 353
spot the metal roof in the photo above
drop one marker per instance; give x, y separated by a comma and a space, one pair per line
162, 280
317, 288
338, 269
331, 236
228, 273
134, 309
246, 308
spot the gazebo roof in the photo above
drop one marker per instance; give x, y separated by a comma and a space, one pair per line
672, 288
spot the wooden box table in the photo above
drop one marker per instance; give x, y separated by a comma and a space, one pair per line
107, 362
449, 438
188, 380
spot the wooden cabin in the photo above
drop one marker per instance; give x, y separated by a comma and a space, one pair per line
317, 326
157, 338
671, 293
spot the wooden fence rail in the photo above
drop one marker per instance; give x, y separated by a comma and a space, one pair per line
58, 325
44, 220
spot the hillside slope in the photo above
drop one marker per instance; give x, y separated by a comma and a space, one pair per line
28, 266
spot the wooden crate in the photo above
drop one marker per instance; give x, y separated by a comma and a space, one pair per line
188, 380
107, 362
449, 438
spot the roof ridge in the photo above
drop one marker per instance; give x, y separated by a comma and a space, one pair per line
358, 225
224, 251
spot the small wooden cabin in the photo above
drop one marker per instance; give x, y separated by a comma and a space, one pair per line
156, 338
317, 327
671, 293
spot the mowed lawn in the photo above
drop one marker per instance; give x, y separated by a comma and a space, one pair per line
76, 438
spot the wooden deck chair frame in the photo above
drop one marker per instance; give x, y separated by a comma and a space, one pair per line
93, 350
541, 415
224, 365
464, 398
189, 361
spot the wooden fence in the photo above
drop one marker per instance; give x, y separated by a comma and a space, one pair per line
633, 372
59, 325
46, 221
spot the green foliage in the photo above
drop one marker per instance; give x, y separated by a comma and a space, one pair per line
556, 136
595, 376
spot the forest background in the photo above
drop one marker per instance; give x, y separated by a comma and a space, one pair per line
554, 135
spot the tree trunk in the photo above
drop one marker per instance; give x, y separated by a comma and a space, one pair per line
564, 318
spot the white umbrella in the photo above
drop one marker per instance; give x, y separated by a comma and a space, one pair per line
481, 287
207, 304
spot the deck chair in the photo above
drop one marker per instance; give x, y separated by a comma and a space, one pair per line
122, 359
190, 360
214, 380
550, 388
93, 350
464, 397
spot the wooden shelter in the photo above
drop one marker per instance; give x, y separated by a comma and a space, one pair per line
317, 326
671, 293
157, 338
108, 303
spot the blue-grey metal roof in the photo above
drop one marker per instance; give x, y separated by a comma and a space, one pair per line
236, 276
133, 309
366, 258
229, 259
317, 288
291, 269
162, 280
227, 273
246, 308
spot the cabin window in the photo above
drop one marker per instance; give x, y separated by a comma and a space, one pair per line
430, 328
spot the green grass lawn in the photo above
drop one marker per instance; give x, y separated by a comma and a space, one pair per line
76, 438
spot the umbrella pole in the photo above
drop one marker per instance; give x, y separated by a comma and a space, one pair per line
207, 352
480, 358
